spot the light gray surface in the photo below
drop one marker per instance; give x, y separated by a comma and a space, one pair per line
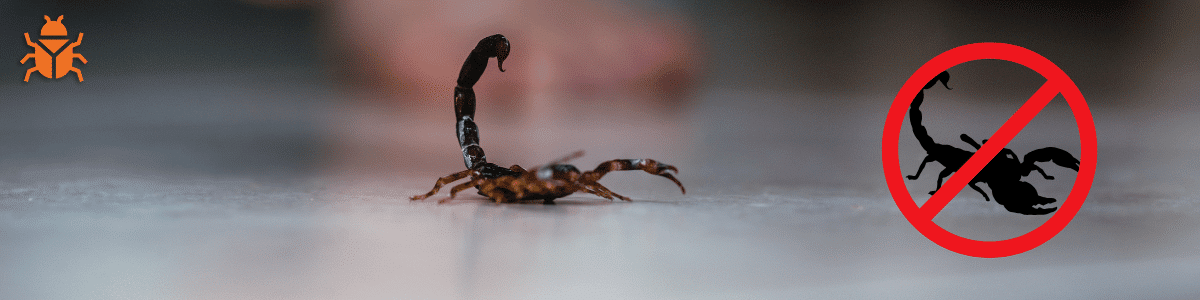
748, 228
104, 235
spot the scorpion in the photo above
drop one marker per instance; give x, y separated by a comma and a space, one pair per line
1002, 174
548, 182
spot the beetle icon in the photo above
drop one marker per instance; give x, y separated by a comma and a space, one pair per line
50, 58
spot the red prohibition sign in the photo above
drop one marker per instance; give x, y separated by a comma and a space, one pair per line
1056, 82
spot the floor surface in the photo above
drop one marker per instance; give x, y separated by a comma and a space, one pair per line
784, 201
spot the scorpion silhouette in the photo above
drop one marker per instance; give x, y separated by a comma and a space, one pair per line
548, 182
1002, 174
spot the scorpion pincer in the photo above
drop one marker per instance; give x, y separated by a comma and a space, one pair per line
1002, 174
551, 181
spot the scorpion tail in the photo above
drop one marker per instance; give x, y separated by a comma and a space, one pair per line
1058, 156
914, 111
492, 46
464, 97
943, 77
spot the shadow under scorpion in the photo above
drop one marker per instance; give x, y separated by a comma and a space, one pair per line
1003, 174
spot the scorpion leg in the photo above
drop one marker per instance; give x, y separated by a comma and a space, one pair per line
469, 184
928, 159
980, 190
443, 181
649, 165
597, 192
1039, 170
602, 191
614, 194
970, 141
941, 176
567, 158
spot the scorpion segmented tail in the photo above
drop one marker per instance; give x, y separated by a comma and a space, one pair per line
914, 111
464, 97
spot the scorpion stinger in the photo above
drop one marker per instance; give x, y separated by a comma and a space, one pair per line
1002, 174
549, 182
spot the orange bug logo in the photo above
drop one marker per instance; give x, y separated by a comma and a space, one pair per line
50, 58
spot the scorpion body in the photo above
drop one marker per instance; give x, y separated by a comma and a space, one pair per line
1002, 174
554, 180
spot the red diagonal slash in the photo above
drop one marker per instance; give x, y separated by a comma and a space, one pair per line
990, 149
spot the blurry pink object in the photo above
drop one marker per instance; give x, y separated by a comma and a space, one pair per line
414, 48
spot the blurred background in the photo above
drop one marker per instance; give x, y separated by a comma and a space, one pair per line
266, 149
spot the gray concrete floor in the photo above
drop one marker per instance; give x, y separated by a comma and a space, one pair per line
785, 201
104, 234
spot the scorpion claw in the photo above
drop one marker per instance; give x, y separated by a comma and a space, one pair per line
672, 178
662, 171
1030, 210
669, 167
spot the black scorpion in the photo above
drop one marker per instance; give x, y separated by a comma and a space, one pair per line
1002, 174
549, 182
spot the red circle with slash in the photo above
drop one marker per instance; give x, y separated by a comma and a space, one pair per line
1057, 82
